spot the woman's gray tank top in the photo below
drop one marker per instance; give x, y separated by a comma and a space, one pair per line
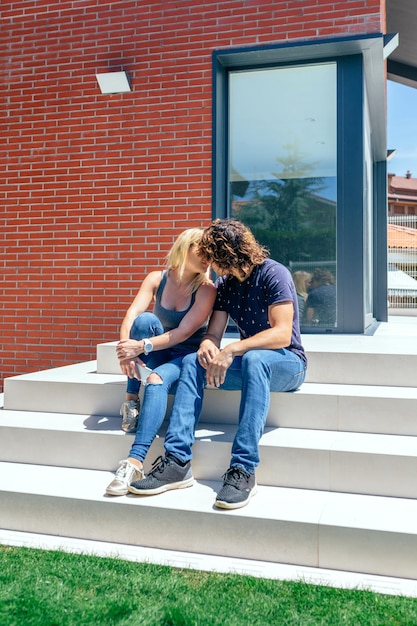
171, 319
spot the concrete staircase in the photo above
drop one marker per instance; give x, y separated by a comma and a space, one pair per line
338, 477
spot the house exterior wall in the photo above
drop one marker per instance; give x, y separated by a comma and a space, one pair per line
96, 187
402, 195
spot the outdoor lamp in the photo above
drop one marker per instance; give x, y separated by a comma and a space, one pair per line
114, 82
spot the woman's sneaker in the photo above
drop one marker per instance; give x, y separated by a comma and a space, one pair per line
126, 473
166, 474
130, 415
238, 488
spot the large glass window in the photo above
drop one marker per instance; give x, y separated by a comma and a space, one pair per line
283, 174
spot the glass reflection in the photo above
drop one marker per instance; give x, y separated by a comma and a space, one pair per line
283, 176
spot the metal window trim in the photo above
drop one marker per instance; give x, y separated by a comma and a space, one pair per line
361, 66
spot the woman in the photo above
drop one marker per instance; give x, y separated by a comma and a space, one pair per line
184, 297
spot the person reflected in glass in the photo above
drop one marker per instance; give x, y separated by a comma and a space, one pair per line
320, 308
302, 281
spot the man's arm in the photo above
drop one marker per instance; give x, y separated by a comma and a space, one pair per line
277, 336
210, 345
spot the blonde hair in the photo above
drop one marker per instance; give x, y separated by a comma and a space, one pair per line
177, 256
300, 279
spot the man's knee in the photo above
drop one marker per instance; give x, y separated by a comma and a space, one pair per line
252, 361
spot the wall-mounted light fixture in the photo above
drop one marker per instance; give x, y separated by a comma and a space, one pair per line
114, 82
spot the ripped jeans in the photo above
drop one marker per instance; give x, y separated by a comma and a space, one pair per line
256, 374
167, 364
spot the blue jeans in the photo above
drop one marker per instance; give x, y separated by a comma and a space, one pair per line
165, 363
146, 325
256, 374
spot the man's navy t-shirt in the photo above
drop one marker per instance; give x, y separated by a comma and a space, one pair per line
247, 302
323, 300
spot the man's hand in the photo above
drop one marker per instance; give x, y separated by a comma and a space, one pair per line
216, 370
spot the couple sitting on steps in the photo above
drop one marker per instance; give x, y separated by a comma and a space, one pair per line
180, 342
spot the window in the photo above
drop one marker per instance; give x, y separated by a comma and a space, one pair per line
283, 174
296, 160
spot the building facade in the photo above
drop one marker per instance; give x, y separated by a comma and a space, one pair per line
96, 186
402, 241
402, 194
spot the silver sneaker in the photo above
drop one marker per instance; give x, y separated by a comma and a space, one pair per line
130, 415
126, 473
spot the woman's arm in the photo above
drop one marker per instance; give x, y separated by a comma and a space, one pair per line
309, 314
192, 321
128, 349
141, 302
210, 345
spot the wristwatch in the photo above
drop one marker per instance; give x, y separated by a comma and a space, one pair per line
147, 346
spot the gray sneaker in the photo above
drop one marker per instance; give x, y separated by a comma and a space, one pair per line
166, 474
124, 476
238, 488
130, 415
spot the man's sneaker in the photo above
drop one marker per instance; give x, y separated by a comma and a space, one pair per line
238, 488
124, 476
130, 415
166, 474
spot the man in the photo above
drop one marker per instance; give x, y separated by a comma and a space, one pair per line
259, 295
321, 301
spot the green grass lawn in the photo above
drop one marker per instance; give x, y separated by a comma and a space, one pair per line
51, 588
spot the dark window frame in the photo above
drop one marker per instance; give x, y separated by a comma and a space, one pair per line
360, 67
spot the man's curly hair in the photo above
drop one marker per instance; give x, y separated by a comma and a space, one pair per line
230, 244
323, 277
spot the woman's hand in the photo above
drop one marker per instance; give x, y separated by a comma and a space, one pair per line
206, 352
130, 368
127, 352
129, 349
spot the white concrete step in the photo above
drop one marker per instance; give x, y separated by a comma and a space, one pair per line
79, 389
369, 534
70, 389
306, 459
347, 440
380, 359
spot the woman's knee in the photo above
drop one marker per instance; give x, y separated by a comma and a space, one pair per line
154, 379
189, 360
144, 325
189, 365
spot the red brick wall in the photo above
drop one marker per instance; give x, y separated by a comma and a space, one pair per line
94, 188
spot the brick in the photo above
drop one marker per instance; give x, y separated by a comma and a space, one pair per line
87, 176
